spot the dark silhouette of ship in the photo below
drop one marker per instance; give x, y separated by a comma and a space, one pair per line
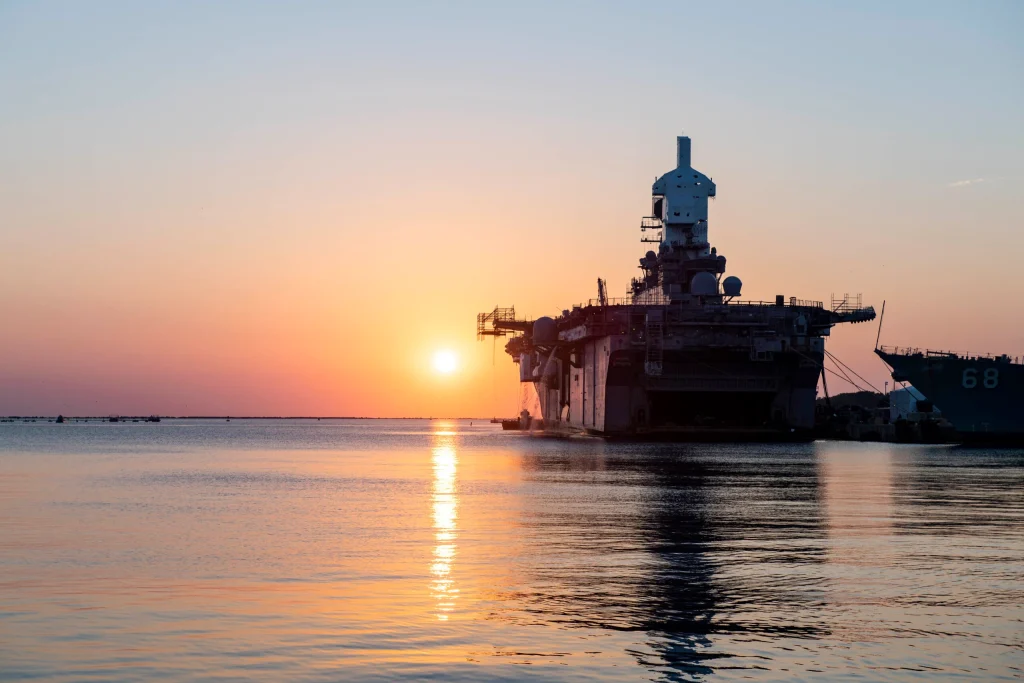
982, 396
516, 423
682, 356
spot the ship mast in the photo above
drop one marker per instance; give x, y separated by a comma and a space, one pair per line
685, 265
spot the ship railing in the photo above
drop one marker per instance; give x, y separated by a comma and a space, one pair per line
793, 301
650, 223
486, 323
611, 301
933, 353
846, 303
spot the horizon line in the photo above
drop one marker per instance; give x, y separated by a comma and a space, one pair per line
234, 417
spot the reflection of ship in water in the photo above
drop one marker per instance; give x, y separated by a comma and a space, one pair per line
664, 547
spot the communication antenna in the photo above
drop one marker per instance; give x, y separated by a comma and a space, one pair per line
880, 319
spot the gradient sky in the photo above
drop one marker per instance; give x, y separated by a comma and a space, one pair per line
287, 208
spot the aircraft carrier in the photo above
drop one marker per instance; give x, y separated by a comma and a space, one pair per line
682, 356
981, 395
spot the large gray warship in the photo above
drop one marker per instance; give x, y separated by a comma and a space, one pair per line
682, 356
982, 396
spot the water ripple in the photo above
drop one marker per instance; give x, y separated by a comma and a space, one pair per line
375, 550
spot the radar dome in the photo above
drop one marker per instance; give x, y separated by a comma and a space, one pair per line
704, 284
732, 285
544, 331
651, 256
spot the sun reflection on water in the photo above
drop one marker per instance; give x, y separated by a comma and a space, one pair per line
445, 508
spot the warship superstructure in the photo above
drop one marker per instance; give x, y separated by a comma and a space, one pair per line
682, 355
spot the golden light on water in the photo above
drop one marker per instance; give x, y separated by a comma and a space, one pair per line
445, 513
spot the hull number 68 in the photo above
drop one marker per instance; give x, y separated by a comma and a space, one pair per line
989, 379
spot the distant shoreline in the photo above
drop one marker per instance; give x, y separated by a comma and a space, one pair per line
128, 418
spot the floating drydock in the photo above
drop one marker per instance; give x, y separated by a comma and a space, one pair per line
682, 356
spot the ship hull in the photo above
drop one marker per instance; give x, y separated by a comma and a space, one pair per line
983, 398
699, 394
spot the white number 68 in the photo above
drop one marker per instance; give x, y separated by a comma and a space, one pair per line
990, 380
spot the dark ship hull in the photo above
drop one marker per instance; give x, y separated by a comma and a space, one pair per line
682, 357
983, 397
711, 394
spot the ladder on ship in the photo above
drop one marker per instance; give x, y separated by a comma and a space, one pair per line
653, 361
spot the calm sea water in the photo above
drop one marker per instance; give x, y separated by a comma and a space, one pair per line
374, 550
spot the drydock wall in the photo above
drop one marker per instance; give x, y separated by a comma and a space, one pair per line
587, 392
611, 393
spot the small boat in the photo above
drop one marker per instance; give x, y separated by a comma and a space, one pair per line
519, 423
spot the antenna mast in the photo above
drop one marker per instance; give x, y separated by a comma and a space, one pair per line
881, 318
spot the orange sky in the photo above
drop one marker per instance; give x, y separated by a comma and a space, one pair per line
288, 218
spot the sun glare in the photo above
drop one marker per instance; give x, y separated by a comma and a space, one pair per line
445, 362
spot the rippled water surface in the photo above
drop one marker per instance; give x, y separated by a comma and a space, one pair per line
374, 549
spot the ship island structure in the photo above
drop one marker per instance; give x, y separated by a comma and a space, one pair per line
683, 355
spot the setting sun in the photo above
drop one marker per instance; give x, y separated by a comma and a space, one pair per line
445, 362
